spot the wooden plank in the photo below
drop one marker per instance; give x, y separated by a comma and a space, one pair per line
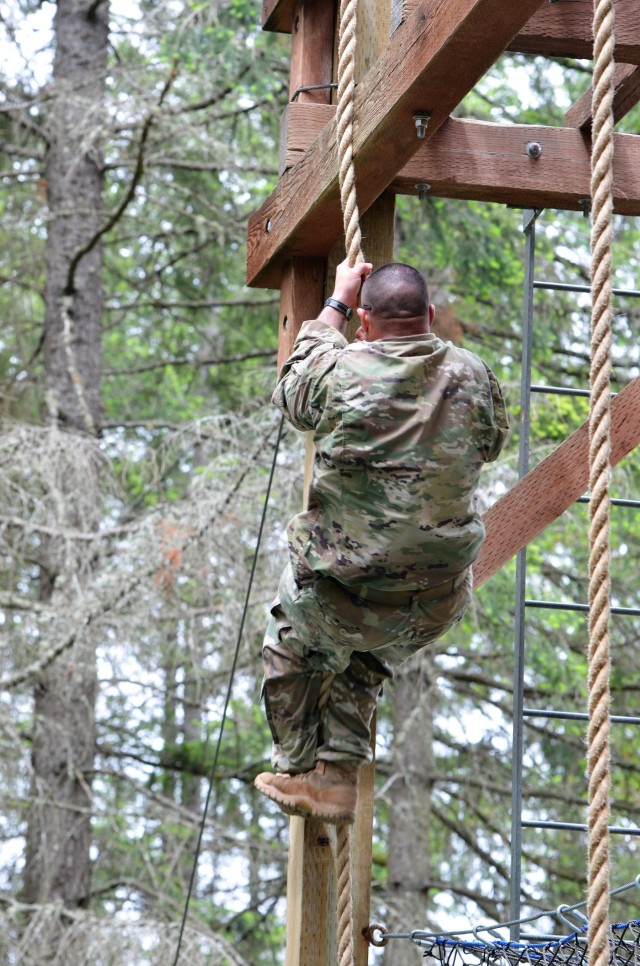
301, 297
555, 30
311, 891
626, 94
302, 215
488, 162
311, 881
279, 15
362, 858
552, 486
401, 10
475, 160
312, 50
300, 126
565, 29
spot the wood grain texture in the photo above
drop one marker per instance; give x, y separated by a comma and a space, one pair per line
300, 126
301, 297
565, 29
555, 30
626, 94
312, 50
302, 215
278, 15
488, 162
362, 857
311, 890
552, 486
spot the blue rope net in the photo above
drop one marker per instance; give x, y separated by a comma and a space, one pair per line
485, 946
569, 950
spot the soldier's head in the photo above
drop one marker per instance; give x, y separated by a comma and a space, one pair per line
395, 302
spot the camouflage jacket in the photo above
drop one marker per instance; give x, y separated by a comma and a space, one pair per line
402, 427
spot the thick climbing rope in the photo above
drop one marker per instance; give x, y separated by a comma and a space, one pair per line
345, 113
353, 245
598, 754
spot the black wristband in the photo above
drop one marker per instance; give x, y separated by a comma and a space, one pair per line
340, 307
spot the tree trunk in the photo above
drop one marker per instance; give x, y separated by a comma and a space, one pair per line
408, 867
191, 797
59, 831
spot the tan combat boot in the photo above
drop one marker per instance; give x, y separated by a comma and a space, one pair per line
329, 792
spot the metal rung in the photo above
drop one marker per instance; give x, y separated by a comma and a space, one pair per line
567, 287
555, 605
562, 391
634, 504
577, 716
574, 827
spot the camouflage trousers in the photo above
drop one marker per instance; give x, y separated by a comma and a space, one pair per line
318, 629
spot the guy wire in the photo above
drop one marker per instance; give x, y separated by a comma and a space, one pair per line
228, 694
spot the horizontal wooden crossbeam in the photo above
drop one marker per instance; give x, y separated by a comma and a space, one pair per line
474, 160
550, 489
489, 162
562, 29
415, 73
278, 15
626, 95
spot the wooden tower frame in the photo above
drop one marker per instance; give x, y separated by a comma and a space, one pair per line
419, 59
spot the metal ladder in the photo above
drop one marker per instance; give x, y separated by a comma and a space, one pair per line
520, 713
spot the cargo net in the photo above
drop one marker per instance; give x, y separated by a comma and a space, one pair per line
624, 950
487, 945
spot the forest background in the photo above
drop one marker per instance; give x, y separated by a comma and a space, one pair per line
135, 445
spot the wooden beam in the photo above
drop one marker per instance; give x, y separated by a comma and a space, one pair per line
301, 296
311, 882
311, 891
626, 94
564, 29
488, 162
279, 15
552, 486
312, 50
555, 30
475, 160
302, 215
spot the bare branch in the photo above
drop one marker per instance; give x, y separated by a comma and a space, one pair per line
213, 99
189, 361
185, 165
207, 304
122, 593
66, 532
115, 217
16, 602
16, 151
16, 110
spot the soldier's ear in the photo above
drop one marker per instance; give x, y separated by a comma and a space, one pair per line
431, 314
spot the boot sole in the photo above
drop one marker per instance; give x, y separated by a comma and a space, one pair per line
300, 806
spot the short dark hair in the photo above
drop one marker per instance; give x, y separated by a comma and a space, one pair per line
396, 291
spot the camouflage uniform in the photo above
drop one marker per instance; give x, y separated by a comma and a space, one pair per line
380, 562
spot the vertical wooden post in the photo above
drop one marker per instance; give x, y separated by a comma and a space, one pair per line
311, 882
310, 877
